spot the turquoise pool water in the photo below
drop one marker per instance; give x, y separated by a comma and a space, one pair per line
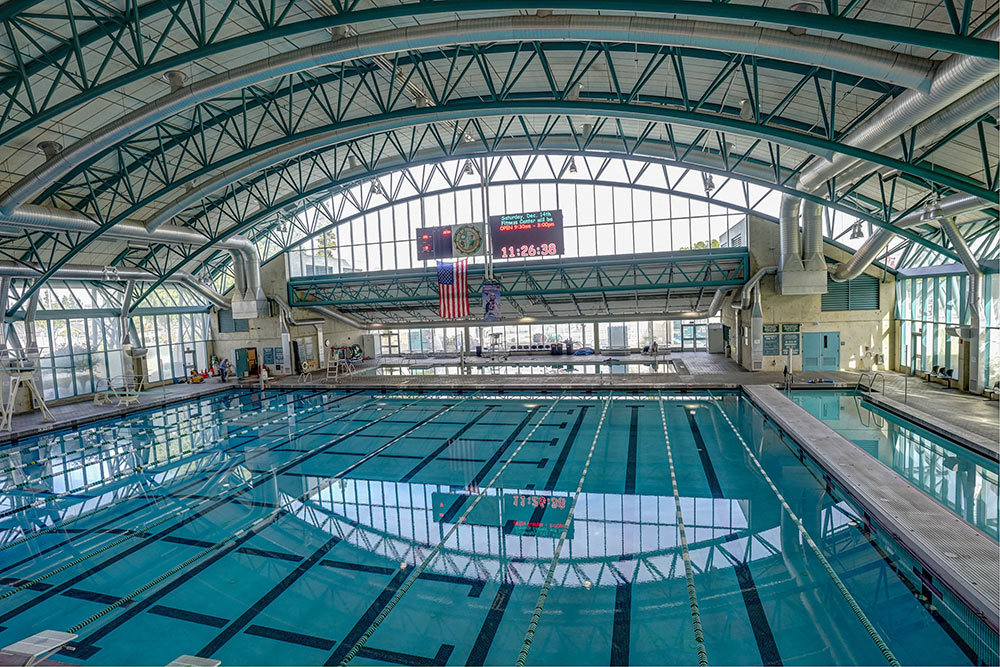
957, 478
324, 527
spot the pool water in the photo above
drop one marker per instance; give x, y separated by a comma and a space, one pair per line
324, 527
961, 480
524, 369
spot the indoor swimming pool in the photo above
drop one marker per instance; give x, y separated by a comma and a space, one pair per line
957, 478
410, 528
604, 368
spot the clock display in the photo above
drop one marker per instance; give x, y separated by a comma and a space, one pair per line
517, 235
528, 250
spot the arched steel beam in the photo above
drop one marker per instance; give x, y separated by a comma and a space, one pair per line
145, 158
319, 137
275, 29
325, 187
819, 51
316, 138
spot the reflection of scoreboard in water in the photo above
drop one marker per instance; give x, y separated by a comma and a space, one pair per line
538, 234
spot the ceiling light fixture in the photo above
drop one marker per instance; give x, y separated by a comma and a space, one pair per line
707, 181
468, 169
805, 8
572, 166
856, 231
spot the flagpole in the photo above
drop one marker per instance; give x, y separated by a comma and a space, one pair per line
487, 243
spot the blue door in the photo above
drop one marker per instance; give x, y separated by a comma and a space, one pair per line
821, 351
830, 351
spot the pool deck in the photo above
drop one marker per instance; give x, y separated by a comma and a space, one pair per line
961, 557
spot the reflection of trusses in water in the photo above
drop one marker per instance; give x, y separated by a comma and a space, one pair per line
602, 564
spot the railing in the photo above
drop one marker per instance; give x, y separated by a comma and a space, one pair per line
872, 378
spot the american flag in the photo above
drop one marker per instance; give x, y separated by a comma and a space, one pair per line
453, 289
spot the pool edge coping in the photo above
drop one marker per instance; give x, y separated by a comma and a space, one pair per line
852, 478
960, 436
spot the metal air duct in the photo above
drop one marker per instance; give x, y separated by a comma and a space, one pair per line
246, 260
83, 272
975, 329
953, 78
873, 247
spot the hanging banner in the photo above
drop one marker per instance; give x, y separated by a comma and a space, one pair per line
491, 302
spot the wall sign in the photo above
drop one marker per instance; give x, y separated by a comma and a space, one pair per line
771, 345
770, 328
791, 328
790, 341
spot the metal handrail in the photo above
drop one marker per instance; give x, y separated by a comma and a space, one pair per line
872, 377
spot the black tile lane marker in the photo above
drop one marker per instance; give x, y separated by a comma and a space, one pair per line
633, 450
481, 475
102, 425
529, 635
236, 626
120, 501
149, 503
359, 644
807, 538
224, 499
762, 633
564, 452
706, 462
238, 538
233, 435
355, 633
446, 444
621, 631
484, 640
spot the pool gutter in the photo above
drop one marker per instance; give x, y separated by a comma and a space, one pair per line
895, 507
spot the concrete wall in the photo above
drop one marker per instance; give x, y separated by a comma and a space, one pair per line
863, 333
266, 331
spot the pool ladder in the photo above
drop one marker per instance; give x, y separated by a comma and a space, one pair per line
872, 377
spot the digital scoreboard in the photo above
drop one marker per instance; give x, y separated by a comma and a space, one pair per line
538, 234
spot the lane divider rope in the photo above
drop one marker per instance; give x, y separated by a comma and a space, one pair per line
144, 528
851, 602
529, 636
699, 635
272, 514
62, 524
440, 546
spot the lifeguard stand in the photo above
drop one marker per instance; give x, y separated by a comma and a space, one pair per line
498, 346
21, 368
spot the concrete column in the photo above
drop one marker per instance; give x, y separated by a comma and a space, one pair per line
597, 341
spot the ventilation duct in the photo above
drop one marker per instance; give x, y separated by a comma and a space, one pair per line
871, 249
878, 64
973, 334
954, 78
248, 300
80, 272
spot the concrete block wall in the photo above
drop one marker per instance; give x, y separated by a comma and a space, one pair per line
266, 331
864, 334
